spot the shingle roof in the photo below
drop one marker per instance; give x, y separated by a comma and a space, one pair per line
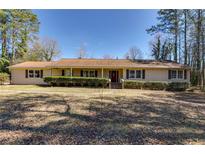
32, 64
99, 63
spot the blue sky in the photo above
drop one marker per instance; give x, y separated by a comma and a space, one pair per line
102, 32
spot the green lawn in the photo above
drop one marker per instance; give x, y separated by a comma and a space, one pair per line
60, 115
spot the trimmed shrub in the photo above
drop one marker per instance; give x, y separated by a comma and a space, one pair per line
76, 81
156, 85
4, 77
131, 84
177, 86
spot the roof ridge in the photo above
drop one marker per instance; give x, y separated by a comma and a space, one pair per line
89, 59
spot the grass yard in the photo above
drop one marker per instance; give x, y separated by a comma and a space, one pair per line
60, 115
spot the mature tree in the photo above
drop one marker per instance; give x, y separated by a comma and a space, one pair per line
161, 49
168, 24
17, 29
34, 53
49, 49
45, 49
156, 47
4, 26
134, 53
197, 46
185, 14
4, 62
27, 28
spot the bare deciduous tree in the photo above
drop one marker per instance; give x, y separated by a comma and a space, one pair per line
107, 56
49, 49
134, 53
44, 50
82, 53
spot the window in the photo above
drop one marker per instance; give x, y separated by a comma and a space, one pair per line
41, 73
31, 73
34, 73
173, 74
180, 74
37, 73
89, 73
135, 74
132, 74
85, 73
92, 73
138, 73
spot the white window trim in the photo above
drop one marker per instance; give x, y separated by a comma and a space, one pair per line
182, 74
177, 72
29, 73
93, 74
34, 74
172, 73
140, 74
135, 74
89, 73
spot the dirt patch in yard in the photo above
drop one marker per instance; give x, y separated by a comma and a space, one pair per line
102, 117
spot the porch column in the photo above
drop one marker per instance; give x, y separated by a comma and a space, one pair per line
124, 73
102, 73
71, 72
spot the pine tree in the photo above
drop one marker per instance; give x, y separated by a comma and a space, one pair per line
168, 24
17, 29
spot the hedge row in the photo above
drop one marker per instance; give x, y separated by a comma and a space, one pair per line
104, 82
154, 85
4, 77
76, 81
177, 86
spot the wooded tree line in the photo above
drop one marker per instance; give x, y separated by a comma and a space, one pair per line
19, 39
17, 29
179, 36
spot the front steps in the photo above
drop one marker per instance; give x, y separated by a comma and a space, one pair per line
116, 85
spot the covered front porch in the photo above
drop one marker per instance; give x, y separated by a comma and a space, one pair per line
115, 75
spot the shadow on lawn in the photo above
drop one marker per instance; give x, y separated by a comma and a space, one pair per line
191, 97
123, 121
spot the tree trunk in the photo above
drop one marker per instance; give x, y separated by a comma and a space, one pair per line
198, 38
4, 43
185, 37
202, 61
12, 47
179, 49
176, 36
202, 52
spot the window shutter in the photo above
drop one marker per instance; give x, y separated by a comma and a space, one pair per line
81, 73
63, 72
127, 75
41, 73
96, 73
185, 74
143, 74
169, 74
26, 73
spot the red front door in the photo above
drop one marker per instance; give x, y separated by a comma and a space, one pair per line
114, 76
